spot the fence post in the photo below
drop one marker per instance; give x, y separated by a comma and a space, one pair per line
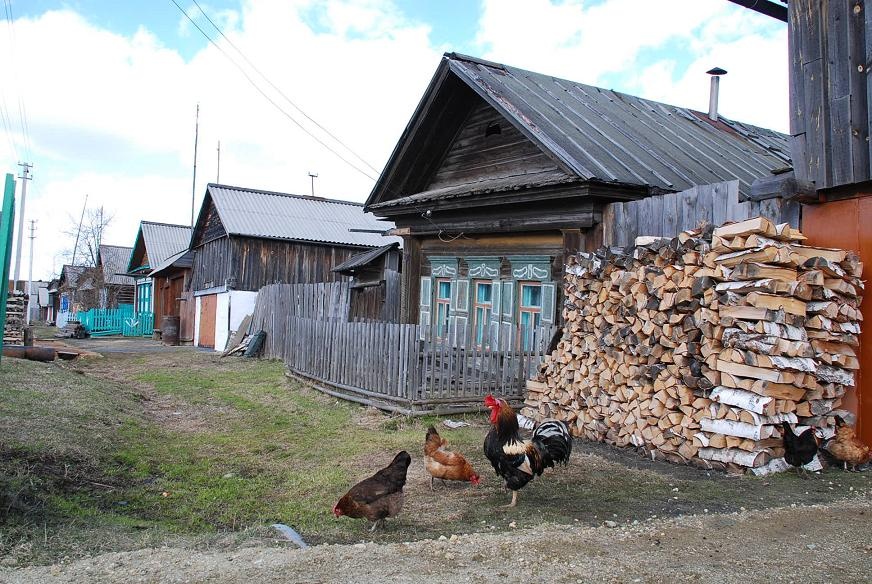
7, 217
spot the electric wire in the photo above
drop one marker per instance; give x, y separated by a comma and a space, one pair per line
270, 99
280, 92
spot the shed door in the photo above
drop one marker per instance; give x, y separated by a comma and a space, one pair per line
208, 308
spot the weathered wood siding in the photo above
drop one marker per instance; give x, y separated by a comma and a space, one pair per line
830, 90
668, 215
209, 226
248, 263
488, 146
258, 262
211, 264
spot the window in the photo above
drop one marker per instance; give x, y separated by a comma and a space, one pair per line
443, 305
483, 307
530, 311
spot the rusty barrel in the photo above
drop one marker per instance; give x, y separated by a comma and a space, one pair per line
169, 330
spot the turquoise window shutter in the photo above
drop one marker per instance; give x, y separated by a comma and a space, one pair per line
549, 294
425, 304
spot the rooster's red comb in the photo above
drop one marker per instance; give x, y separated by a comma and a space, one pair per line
491, 402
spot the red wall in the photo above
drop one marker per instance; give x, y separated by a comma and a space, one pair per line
847, 224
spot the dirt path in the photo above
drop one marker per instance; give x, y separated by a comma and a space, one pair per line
824, 543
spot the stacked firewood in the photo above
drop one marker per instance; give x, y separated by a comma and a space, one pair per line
13, 332
697, 348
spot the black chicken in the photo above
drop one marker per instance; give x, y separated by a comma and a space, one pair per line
799, 450
516, 460
379, 496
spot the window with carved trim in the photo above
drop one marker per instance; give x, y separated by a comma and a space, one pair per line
482, 309
529, 311
443, 306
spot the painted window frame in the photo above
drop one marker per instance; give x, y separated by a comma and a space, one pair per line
481, 327
442, 303
525, 333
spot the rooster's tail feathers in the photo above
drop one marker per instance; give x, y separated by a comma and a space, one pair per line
555, 436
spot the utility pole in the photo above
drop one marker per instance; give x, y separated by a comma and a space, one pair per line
25, 176
30, 271
313, 175
194, 185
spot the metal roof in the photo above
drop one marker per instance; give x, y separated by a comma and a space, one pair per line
163, 240
114, 260
601, 135
183, 259
615, 137
254, 213
364, 258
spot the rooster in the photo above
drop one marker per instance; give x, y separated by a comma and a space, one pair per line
445, 465
801, 449
846, 448
516, 460
379, 496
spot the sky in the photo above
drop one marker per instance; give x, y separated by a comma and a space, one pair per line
100, 95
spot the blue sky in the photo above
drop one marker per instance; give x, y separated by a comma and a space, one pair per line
110, 88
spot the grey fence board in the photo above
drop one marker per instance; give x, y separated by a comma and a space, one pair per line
668, 215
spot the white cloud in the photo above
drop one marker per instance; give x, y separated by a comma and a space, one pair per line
591, 42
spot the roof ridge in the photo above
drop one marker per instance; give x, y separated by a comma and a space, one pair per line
289, 195
165, 224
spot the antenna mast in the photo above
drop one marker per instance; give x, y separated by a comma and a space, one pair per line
79, 231
218, 174
194, 185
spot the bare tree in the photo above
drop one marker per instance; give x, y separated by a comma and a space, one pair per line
87, 237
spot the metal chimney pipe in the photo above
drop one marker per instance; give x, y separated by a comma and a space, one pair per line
713, 94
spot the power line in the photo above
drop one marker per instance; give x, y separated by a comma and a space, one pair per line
22, 110
280, 92
271, 100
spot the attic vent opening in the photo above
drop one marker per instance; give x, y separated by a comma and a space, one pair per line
492, 129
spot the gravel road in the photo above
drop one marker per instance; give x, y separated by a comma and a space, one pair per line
822, 543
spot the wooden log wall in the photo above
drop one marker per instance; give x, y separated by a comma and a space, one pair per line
666, 215
696, 348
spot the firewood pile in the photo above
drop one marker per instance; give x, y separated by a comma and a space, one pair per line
698, 347
13, 332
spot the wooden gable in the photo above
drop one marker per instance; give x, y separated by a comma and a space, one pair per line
488, 146
139, 256
209, 226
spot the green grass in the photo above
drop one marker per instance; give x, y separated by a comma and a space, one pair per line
185, 448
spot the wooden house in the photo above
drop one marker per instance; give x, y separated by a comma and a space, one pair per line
501, 173
172, 294
154, 244
71, 288
375, 287
244, 239
116, 286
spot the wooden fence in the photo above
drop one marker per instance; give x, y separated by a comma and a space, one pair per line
397, 367
668, 215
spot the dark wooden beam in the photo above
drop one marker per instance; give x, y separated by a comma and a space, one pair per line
767, 7
785, 186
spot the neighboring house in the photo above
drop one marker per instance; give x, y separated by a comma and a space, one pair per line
116, 286
172, 294
245, 239
154, 244
502, 173
375, 287
53, 301
73, 288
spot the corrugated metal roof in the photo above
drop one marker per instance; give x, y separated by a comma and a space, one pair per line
364, 258
183, 259
114, 260
163, 240
600, 135
254, 213
615, 137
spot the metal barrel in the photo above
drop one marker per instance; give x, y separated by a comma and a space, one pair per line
169, 328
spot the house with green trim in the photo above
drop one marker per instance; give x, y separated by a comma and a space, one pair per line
501, 174
154, 244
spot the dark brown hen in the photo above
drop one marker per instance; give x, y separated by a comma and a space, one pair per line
378, 497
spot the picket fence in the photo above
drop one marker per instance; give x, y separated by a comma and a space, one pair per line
105, 322
397, 367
